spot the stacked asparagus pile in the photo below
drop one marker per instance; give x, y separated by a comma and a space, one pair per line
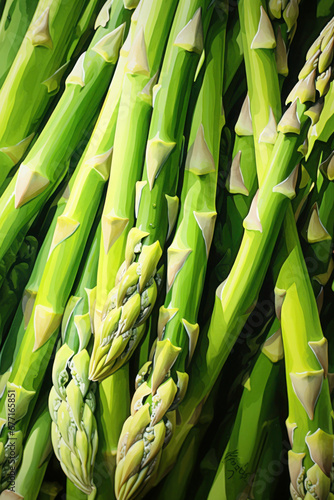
166, 240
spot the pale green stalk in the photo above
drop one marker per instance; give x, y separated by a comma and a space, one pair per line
235, 298
113, 407
36, 455
130, 302
309, 423
14, 23
161, 386
26, 93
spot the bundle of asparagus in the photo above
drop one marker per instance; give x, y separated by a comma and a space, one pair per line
150, 150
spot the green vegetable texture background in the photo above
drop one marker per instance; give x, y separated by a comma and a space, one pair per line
166, 249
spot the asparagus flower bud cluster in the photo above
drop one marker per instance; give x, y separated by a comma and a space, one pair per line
72, 399
161, 385
154, 197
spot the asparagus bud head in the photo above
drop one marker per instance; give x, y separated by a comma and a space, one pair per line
128, 306
150, 426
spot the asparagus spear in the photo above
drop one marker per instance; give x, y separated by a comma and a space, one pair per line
237, 295
130, 302
44, 47
72, 399
36, 454
320, 244
113, 405
44, 167
135, 101
85, 28
14, 23
309, 423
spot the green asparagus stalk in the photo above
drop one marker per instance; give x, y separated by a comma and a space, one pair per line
14, 23
309, 423
72, 400
44, 47
322, 121
241, 185
131, 301
45, 165
164, 385
233, 57
36, 454
113, 405
236, 297
257, 409
85, 28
